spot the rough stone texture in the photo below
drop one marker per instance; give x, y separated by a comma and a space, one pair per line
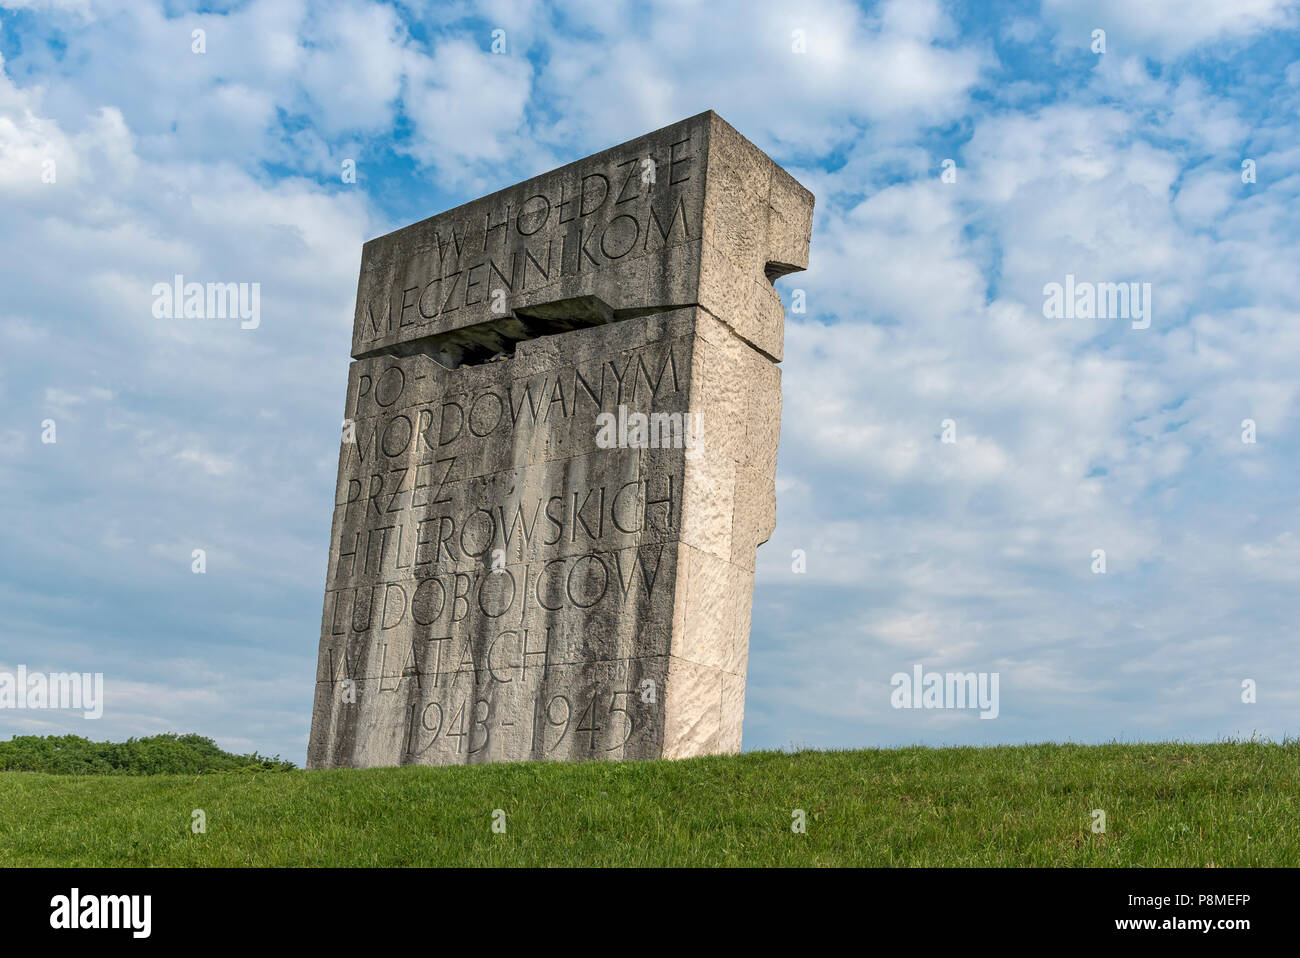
503, 583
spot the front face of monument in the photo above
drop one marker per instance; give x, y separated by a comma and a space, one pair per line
559, 449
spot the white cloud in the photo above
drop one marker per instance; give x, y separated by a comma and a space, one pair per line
1165, 28
467, 105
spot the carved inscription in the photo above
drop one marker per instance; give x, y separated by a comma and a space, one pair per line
474, 594
610, 215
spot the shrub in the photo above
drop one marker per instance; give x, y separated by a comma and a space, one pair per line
155, 755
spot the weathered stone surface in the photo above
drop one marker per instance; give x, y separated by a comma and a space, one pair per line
558, 461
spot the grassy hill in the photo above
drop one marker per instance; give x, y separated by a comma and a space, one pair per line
1170, 804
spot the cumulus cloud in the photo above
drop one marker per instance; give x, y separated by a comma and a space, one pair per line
1166, 28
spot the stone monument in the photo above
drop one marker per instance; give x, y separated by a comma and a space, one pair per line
559, 447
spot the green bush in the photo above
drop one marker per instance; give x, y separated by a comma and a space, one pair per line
168, 754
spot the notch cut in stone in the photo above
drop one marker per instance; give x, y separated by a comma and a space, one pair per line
497, 338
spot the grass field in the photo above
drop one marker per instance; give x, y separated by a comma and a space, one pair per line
1227, 804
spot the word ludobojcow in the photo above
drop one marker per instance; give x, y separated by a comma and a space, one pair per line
579, 582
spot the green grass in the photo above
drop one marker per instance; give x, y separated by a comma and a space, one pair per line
1227, 804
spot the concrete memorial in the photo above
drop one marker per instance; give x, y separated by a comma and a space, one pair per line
559, 447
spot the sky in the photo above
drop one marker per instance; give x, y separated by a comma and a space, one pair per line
953, 454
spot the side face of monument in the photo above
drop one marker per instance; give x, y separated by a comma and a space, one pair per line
564, 409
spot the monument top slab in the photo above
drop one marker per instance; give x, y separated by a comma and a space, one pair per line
689, 215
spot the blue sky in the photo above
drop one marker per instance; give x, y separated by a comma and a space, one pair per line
924, 303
